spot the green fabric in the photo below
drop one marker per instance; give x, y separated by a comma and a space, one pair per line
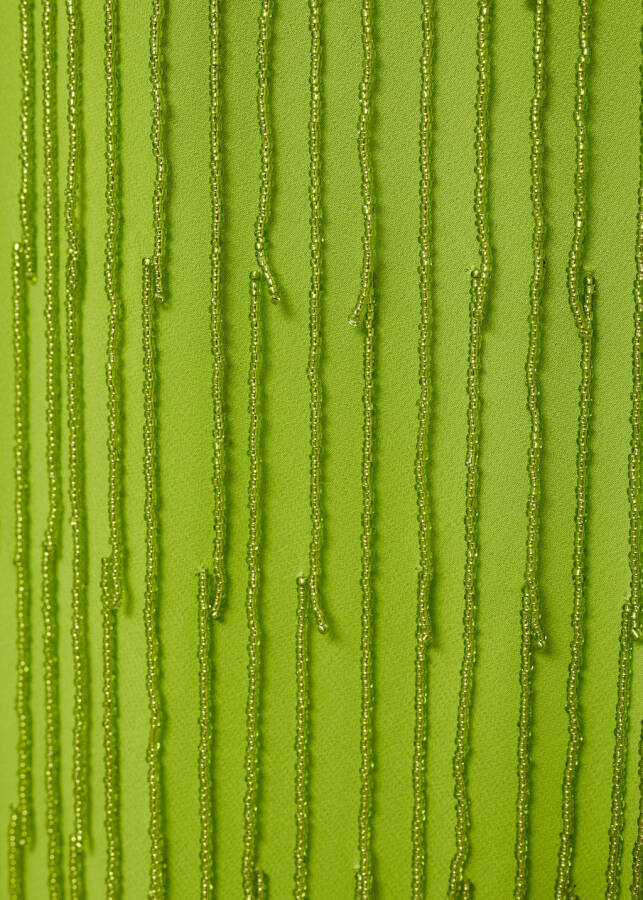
186, 451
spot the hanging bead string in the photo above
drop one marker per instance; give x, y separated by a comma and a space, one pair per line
205, 740
530, 617
364, 875
308, 588
619, 765
366, 281
113, 875
423, 636
76, 482
15, 868
27, 195
637, 853
51, 538
20, 820
151, 612
111, 567
637, 390
302, 736
158, 149
581, 299
459, 885
266, 152
254, 885
315, 328
216, 316
114, 339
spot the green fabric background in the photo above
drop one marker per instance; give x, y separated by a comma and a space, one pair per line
185, 422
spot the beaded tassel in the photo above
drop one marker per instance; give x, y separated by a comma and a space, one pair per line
364, 875
205, 740
530, 619
423, 636
76, 482
27, 195
51, 538
266, 151
581, 297
459, 885
215, 316
302, 734
637, 853
158, 149
20, 818
254, 885
150, 614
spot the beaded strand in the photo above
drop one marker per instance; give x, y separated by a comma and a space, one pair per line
76, 481
619, 765
634, 470
254, 884
51, 537
315, 328
205, 740
113, 875
114, 339
530, 618
216, 317
266, 151
459, 885
21, 813
423, 625
302, 735
366, 281
158, 149
364, 875
581, 300
151, 612
637, 853
27, 194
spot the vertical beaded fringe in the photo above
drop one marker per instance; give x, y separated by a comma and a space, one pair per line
459, 885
